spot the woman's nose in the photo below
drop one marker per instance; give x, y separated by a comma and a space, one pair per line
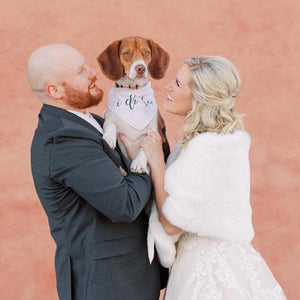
168, 86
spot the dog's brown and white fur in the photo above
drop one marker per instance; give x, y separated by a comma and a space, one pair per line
129, 62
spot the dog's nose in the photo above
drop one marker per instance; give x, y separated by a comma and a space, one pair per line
140, 69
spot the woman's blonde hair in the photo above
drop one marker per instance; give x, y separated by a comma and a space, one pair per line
214, 83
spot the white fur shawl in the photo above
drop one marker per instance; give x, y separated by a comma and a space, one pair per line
209, 193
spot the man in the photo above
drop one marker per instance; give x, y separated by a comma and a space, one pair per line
95, 209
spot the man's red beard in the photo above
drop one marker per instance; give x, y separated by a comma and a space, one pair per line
80, 99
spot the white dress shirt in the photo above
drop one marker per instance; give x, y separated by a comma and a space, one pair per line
89, 118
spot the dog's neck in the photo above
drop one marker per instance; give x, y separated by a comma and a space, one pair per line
126, 82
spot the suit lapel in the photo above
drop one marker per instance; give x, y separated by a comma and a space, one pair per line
125, 161
52, 110
98, 119
115, 154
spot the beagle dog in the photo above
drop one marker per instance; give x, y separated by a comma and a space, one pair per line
132, 108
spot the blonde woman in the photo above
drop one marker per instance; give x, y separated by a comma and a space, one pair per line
203, 197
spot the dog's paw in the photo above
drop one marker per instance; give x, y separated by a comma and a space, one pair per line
139, 164
137, 168
111, 139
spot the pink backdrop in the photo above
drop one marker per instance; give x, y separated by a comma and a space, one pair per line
260, 37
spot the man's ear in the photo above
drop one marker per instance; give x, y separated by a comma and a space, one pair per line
54, 91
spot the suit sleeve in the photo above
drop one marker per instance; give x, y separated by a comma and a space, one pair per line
82, 165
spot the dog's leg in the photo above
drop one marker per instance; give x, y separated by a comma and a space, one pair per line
110, 134
123, 150
139, 164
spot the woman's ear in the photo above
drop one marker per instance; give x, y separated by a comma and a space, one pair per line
109, 61
54, 91
159, 61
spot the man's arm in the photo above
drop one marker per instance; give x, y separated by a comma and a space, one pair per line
82, 165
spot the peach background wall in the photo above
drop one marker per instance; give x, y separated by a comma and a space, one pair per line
261, 37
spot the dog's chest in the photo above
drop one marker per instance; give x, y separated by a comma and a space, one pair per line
126, 128
134, 107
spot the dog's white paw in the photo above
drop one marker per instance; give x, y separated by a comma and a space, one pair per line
138, 168
139, 164
111, 139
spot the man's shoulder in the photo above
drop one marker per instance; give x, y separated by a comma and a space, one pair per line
62, 121
53, 128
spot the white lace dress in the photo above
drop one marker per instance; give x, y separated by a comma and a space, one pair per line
208, 184
208, 269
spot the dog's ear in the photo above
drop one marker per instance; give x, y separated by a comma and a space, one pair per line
159, 61
109, 61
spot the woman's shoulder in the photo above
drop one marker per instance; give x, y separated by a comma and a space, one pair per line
212, 140
211, 144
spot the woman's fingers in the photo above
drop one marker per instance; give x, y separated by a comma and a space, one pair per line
154, 134
151, 142
151, 138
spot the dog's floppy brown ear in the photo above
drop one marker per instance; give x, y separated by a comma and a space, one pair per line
109, 61
159, 61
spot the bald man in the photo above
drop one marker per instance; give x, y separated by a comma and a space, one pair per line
93, 202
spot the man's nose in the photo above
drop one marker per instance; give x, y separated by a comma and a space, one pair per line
91, 72
140, 69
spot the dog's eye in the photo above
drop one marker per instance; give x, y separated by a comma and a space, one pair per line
126, 53
146, 53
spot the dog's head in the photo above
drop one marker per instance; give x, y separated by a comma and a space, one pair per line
134, 57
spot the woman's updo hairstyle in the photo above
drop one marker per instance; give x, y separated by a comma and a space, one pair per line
214, 83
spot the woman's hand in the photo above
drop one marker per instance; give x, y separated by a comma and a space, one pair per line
152, 145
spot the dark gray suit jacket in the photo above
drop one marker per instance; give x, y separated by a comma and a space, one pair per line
95, 214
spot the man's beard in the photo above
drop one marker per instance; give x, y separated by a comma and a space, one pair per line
80, 99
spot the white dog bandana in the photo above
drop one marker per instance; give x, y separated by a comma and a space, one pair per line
136, 107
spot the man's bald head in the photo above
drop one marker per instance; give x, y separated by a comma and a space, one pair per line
50, 64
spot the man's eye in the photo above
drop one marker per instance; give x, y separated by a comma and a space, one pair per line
81, 70
177, 82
